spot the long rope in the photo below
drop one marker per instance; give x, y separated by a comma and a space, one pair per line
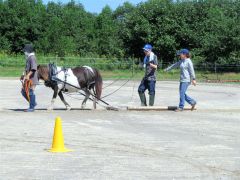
57, 79
111, 83
132, 98
117, 89
69, 95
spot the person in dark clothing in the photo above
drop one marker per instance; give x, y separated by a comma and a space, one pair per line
149, 79
30, 77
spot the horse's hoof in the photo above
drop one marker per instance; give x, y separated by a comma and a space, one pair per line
83, 106
68, 108
50, 108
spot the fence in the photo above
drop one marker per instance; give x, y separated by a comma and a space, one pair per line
127, 68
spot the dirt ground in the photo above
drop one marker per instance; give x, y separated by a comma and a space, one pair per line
200, 144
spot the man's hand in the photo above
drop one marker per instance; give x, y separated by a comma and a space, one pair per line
26, 77
153, 65
194, 82
21, 77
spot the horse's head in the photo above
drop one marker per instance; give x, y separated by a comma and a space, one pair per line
43, 72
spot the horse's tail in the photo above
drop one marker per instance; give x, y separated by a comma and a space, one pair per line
98, 84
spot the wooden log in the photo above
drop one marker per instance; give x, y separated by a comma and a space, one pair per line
154, 108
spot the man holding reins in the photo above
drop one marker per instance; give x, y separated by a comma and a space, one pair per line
29, 77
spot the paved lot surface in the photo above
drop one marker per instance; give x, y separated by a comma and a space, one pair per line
203, 144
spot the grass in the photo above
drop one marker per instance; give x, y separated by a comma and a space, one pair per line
11, 71
137, 75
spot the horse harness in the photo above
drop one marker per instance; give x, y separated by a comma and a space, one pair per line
51, 82
53, 72
90, 75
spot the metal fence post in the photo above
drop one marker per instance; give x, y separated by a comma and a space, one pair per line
132, 67
56, 59
215, 69
161, 64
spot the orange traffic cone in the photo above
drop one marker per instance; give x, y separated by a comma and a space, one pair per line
58, 140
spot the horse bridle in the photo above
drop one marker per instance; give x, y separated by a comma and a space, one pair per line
51, 81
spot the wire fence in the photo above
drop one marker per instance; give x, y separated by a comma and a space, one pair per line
126, 68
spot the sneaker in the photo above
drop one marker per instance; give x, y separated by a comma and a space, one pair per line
35, 105
178, 110
193, 106
29, 110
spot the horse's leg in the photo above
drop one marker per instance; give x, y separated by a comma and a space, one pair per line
86, 98
55, 92
94, 103
94, 99
60, 94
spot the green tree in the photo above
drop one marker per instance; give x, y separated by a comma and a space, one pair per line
108, 41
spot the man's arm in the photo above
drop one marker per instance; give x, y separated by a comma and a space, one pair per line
191, 70
175, 65
33, 67
27, 77
192, 73
154, 63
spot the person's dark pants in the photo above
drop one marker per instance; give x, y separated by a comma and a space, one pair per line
150, 86
32, 102
24, 94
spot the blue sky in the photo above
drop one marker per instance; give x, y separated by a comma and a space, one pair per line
95, 6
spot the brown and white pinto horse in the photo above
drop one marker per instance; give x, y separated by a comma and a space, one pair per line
71, 80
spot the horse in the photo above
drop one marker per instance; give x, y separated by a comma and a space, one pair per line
71, 80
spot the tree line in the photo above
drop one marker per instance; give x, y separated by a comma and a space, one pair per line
209, 28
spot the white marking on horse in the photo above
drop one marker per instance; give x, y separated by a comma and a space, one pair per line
89, 68
70, 79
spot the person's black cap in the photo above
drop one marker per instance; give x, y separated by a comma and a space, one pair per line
28, 48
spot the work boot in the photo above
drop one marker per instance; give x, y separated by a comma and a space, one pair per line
143, 99
151, 99
193, 106
179, 109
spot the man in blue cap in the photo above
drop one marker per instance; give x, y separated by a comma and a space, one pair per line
149, 80
186, 77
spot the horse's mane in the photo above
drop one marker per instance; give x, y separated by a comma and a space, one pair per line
43, 72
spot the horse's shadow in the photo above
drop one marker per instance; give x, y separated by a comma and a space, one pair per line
55, 109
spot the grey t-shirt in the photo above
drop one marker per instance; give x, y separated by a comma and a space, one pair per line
31, 64
187, 70
151, 73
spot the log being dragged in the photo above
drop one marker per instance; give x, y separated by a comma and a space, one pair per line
154, 108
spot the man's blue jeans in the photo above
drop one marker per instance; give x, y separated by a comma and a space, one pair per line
183, 96
147, 85
32, 96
